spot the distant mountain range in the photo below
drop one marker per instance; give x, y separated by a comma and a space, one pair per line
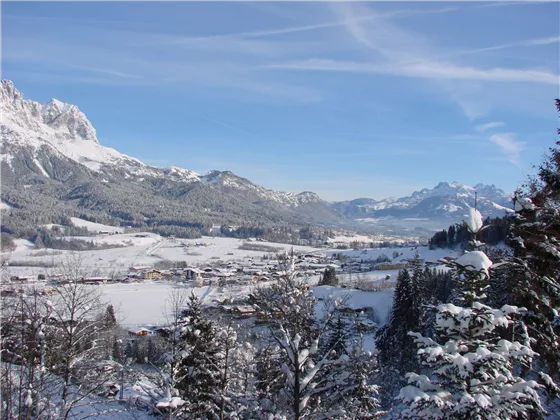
53, 166
446, 202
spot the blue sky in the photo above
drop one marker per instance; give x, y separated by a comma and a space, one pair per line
344, 99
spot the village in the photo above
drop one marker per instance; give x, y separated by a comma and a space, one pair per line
245, 271
222, 271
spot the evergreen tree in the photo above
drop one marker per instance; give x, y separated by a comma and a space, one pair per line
535, 238
329, 277
396, 352
395, 346
109, 320
451, 235
444, 284
361, 398
152, 352
418, 288
118, 353
201, 380
338, 333
470, 366
268, 370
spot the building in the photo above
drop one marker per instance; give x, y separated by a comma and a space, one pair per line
95, 280
139, 331
151, 274
193, 274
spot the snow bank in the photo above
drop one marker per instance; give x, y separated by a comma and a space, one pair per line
95, 227
404, 253
23, 245
474, 220
475, 261
144, 303
524, 203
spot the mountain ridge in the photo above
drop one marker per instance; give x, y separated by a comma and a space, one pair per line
72, 132
446, 200
52, 150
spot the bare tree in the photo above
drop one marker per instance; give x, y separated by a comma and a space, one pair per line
26, 386
166, 399
77, 311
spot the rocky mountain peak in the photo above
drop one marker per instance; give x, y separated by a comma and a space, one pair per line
66, 121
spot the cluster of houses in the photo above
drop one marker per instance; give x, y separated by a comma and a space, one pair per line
243, 271
246, 271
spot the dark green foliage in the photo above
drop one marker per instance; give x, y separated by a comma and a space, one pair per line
396, 348
339, 333
439, 240
268, 373
44, 238
201, 364
535, 268
457, 235
361, 399
110, 319
329, 277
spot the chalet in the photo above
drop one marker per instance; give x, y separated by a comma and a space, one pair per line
193, 274
21, 279
240, 311
167, 274
139, 331
264, 317
139, 268
223, 274
151, 274
95, 280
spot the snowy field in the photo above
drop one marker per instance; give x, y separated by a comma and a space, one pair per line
405, 253
144, 303
135, 249
147, 303
95, 227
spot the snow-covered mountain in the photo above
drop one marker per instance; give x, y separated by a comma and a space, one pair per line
53, 149
53, 164
67, 132
229, 179
61, 127
446, 201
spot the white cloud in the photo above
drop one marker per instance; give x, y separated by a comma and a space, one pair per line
427, 70
511, 148
526, 43
512, 3
488, 126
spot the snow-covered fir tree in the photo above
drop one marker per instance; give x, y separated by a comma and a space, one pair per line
535, 238
360, 396
470, 369
396, 350
201, 381
314, 375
